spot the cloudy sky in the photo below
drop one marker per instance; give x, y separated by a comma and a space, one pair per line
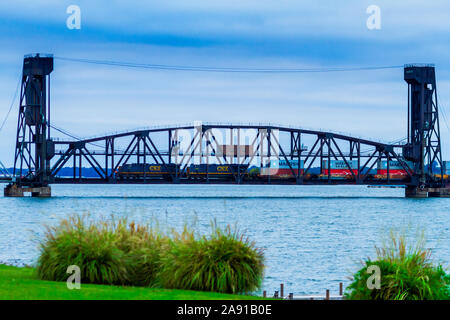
93, 99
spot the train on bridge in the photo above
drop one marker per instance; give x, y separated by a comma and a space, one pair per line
275, 169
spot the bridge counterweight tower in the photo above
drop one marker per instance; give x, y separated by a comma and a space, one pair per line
34, 149
424, 142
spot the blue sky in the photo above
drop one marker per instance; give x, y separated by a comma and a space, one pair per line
90, 100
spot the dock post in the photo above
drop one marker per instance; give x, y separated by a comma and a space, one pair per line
327, 295
341, 289
282, 290
264, 294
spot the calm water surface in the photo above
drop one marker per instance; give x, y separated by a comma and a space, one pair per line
313, 237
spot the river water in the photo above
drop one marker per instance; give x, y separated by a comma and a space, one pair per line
313, 236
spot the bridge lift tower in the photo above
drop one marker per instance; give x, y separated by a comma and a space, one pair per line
34, 148
424, 142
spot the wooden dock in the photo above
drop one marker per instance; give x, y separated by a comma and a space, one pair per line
314, 297
290, 296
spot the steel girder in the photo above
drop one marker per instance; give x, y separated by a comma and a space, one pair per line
268, 142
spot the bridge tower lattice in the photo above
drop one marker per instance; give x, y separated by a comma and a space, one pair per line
34, 147
424, 142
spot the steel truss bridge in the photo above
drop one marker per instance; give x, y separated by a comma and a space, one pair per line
40, 159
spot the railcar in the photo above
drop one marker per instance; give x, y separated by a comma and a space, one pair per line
141, 170
282, 169
216, 171
396, 170
339, 169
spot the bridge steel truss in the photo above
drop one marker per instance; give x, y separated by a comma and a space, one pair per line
141, 147
39, 159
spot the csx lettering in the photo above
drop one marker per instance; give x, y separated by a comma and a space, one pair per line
154, 168
222, 168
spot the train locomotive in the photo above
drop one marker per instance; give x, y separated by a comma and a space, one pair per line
142, 170
216, 171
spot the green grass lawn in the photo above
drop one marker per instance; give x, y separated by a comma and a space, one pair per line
22, 284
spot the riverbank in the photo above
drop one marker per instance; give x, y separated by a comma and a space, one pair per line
18, 283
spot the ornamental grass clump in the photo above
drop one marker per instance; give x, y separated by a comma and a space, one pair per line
90, 246
223, 262
106, 251
406, 273
143, 247
123, 253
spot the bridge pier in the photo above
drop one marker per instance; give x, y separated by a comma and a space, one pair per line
12, 190
439, 192
415, 192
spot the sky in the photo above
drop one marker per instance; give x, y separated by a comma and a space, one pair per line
93, 99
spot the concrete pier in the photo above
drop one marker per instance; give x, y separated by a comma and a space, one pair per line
415, 192
439, 192
13, 190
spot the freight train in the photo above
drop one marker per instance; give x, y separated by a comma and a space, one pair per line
275, 169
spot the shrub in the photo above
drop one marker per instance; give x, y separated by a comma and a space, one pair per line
223, 262
144, 248
107, 252
407, 273
92, 247
118, 252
